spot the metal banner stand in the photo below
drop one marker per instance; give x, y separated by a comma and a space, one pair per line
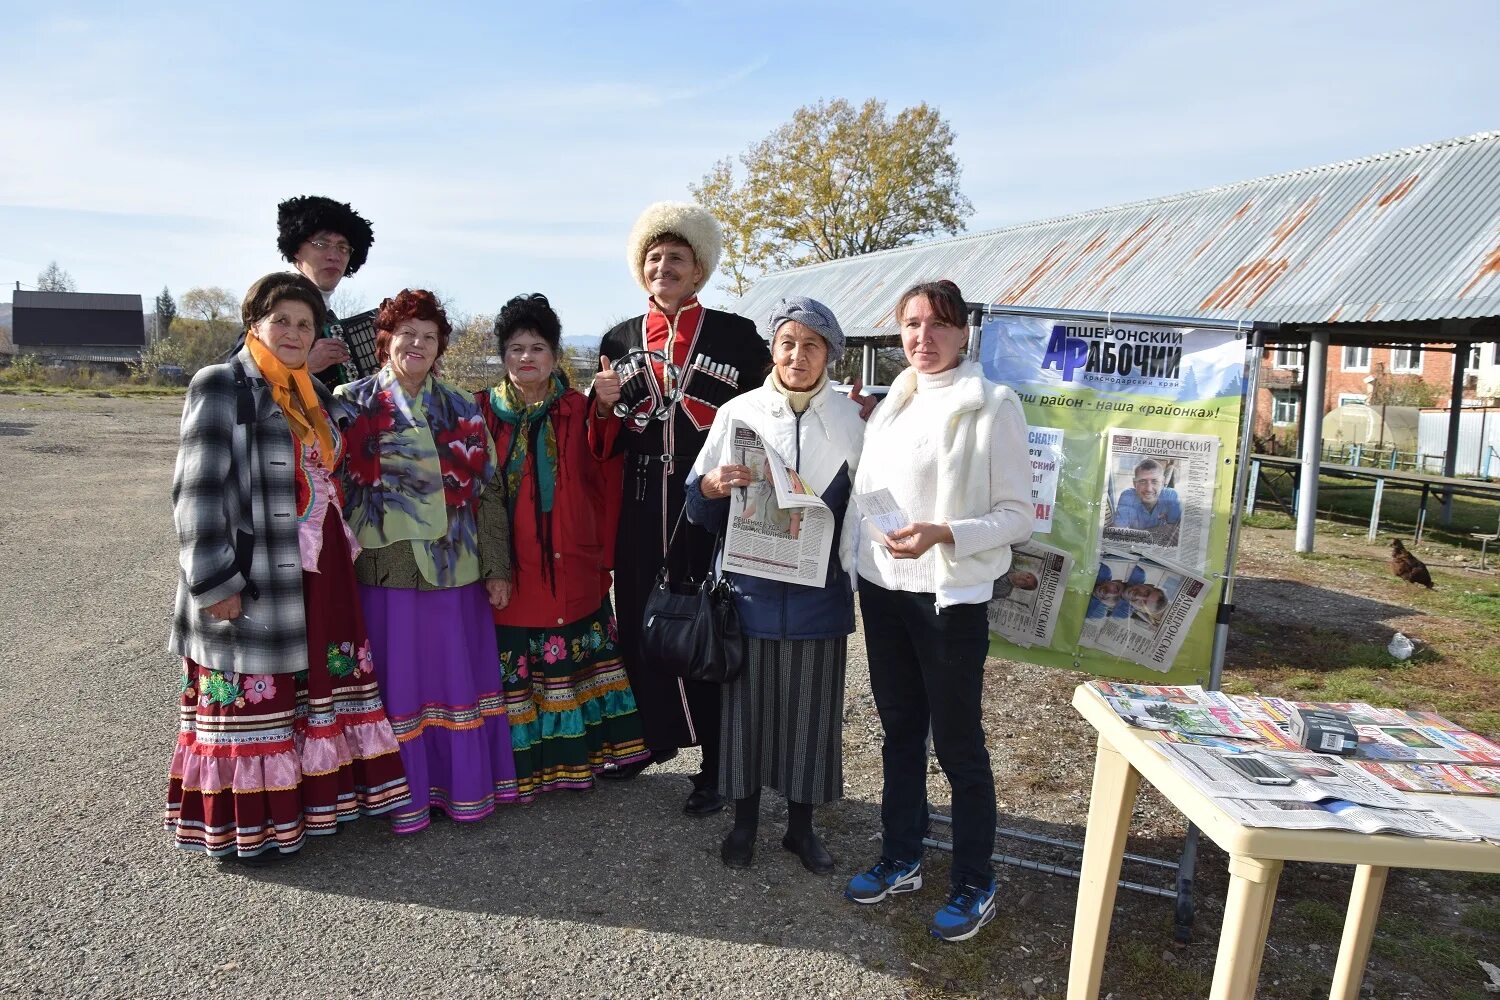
1186, 864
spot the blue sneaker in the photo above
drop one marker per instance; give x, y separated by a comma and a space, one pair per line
887, 878
969, 908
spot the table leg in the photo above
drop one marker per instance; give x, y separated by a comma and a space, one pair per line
1110, 805
1247, 917
1359, 930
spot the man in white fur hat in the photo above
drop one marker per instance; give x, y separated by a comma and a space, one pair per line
673, 250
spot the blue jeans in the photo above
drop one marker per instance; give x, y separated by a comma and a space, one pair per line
927, 670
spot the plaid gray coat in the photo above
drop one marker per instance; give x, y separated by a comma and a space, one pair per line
234, 501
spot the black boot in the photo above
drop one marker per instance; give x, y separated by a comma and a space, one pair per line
705, 799
738, 850
802, 841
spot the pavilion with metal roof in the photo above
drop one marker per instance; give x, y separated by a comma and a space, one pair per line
1399, 248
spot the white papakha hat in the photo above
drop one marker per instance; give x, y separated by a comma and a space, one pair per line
694, 223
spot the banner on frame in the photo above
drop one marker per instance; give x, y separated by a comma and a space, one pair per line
1132, 434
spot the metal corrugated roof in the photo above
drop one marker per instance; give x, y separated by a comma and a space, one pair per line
1413, 234
91, 301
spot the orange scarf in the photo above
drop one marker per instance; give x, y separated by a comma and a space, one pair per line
293, 391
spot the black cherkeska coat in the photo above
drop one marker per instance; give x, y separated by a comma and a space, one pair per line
728, 358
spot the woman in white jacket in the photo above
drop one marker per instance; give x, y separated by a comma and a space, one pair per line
951, 448
783, 716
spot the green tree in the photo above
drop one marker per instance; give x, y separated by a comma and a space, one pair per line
55, 279
211, 304
833, 182
166, 312
1401, 390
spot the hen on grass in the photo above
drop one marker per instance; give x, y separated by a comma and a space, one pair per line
1407, 566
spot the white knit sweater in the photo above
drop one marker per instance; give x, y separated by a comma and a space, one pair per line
951, 448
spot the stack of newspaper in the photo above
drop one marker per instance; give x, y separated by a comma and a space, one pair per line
1401, 756
1307, 792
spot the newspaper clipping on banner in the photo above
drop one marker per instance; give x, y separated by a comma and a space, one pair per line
1026, 599
1044, 448
1141, 608
1159, 493
779, 529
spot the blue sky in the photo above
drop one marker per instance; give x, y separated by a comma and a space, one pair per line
500, 149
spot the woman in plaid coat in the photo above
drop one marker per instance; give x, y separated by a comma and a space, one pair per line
282, 732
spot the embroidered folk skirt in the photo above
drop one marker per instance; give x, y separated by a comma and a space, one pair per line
782, 721
570, 705
440, 681
264, 760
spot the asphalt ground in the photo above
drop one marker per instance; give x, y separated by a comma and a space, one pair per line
608, 893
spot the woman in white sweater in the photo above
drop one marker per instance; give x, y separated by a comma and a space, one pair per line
951, 448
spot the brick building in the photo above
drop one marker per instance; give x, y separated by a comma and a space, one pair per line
1358, 372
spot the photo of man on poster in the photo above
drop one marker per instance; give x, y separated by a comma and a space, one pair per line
1149, 504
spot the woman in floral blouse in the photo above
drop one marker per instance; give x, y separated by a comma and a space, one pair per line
282, 733
570, 704
435, 559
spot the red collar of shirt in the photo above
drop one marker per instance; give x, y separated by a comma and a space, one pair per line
660, 326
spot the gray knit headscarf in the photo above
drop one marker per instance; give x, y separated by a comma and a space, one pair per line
815, 316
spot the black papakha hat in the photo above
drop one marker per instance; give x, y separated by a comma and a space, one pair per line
300, 219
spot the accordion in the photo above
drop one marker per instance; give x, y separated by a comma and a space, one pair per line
358, 334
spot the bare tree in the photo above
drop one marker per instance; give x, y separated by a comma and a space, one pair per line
211, 304
55, 279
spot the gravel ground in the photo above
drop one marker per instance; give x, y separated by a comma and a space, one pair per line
610, 893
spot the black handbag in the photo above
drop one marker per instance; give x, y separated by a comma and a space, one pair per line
693, 633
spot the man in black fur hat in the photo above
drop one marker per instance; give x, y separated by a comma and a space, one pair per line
326, 240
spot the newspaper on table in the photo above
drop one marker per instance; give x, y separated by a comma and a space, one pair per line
1025, 601
1314, 777
1176, 710
1424, 743
1142, 607
1159, 494
1457, 779
1481, 817
779, 529
1338, 814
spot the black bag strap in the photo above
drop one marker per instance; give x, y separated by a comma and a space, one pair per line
709, 574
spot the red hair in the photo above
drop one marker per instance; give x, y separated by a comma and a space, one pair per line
411, 303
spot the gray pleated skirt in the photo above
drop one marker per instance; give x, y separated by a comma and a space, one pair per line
782, 724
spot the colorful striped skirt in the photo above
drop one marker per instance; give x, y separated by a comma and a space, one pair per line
264, 760
782, 721
440, 680
570, 705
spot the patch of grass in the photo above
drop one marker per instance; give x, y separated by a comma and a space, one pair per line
1321, 921
1351, 501
1141, 971
1268, 519
1483, 606
1483, 917
1237, 685
123, 389
1304, 682
1479, 881
1408, 941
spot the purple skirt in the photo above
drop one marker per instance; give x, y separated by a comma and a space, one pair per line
439, 674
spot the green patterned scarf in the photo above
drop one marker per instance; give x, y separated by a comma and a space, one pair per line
533, 436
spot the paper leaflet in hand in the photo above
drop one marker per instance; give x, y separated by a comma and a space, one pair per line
882, 514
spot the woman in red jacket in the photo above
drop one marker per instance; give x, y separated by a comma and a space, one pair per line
570, 704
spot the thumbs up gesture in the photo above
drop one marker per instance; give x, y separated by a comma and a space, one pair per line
605, 388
